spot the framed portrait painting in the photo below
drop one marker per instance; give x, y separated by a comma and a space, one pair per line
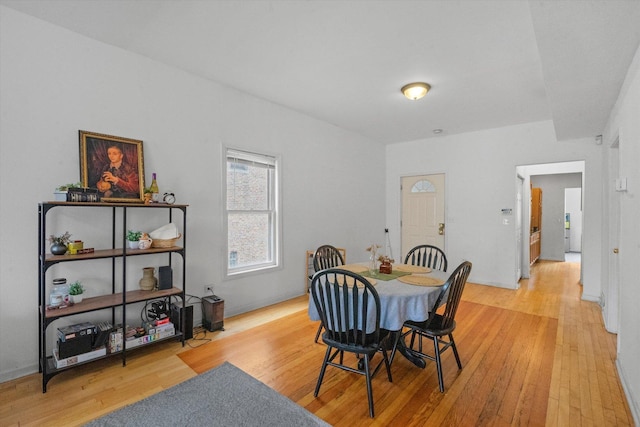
113, 165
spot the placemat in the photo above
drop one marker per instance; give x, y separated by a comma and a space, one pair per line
351, 281
412, 268
354, 268
385, 277
421, 280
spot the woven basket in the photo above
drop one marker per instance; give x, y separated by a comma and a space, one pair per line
165, 243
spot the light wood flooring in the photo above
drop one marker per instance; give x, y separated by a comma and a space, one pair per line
535, 356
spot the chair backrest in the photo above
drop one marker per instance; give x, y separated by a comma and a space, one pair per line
427, 256
327, 256
452, 289
349, 308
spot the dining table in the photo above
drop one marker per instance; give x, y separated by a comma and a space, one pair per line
408, 293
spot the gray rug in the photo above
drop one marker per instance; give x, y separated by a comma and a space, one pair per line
223, 396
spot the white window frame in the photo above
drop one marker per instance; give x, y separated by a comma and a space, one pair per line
250, 156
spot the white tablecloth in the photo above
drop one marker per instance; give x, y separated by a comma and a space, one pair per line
400, 302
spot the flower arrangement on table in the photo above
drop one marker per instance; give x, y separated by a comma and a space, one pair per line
385, 264
373, 258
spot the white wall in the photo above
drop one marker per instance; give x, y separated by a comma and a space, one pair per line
624, 124
480, 170
54, 82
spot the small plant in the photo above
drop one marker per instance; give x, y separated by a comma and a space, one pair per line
60, 240
76, 288
65, 187
133, 236
147, 190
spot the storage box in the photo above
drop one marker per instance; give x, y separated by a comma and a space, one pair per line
76, 346
71, 332
75, 246
68, 361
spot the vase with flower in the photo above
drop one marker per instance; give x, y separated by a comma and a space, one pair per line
373, 259
59, 243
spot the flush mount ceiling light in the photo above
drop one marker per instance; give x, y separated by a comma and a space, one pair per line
416, 90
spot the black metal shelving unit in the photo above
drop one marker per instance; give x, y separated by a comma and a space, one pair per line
118, 297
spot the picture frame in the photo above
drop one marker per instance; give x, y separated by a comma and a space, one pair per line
113, 165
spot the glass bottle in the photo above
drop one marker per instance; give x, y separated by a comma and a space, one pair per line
154, 188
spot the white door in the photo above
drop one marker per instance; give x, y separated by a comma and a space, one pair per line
422, 212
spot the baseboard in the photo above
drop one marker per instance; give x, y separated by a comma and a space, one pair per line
18, 373
631, 401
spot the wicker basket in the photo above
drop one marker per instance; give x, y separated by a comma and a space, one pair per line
165, 243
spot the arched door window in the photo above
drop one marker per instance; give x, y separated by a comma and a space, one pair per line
423, 186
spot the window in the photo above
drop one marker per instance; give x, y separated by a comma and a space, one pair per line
423, 186
251, 211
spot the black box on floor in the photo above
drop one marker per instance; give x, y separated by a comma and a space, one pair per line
213, 313
182, 318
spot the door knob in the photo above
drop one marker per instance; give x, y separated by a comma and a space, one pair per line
441, 228
615, 250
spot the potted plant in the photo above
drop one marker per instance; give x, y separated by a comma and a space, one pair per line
59, 243
133, 237
76, 290
60, 194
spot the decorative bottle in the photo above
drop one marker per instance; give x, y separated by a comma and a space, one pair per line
154, 188
148, 281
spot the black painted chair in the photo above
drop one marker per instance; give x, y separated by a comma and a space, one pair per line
326, 256
441, 323
349, 307
427, 256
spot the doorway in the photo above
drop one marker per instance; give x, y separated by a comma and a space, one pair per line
572, 224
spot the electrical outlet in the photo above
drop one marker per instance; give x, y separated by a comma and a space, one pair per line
208, 289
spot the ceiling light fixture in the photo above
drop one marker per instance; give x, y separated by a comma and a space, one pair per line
416, 90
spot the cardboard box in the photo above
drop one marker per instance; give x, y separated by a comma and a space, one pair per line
84, 357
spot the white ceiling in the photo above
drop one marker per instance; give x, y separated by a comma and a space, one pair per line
490, 63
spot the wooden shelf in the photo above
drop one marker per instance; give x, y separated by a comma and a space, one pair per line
118, 204
109, 253
108, 301
113, 299
51, 364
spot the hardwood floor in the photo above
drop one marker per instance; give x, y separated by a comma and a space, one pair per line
535, 356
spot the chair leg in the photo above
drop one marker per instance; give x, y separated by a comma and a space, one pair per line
455, 351
322, 370
319, 331
367, 374
387, 364
436, 346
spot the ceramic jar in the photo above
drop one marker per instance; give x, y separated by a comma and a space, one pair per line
148, 281
58, 249
144, 243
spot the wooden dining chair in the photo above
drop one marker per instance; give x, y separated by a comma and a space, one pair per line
441, 323
427, 256
326, 256
349, 307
